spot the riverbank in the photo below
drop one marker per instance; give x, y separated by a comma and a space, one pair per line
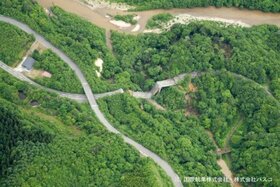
98, 14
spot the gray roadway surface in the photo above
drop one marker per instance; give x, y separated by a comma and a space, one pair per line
175, 80
163, 84
92, 101
77, 97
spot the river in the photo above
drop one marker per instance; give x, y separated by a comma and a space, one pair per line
97, 16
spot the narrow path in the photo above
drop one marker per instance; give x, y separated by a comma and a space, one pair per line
92, 101
108, 40
175, 80
141, 95
263, 87
223, 165
231, 132
228, 174
156, 105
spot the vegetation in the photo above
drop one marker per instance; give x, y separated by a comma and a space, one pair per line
275, 87
180, 141
266, 6
142, 60
167, 96
157, 21
174, 98
216, 107
61, 143
63, 77
79, 39
129, 18
200, 46
77, 145
14, 43
222, 99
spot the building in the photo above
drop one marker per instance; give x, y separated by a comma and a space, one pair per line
28, 63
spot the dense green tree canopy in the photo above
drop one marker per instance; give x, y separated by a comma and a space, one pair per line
63, 78
238, 92
200, 46
79, 39
179, 140
61, 143
14, 43
157, 21
267, 6
241, 115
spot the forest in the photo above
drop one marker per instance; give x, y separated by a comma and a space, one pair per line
82, 41
201, 46
63, 77
266, 6
237, 91
139, 61
222, 103
221, 98
14, 44
158, 20
180, 141
61, 143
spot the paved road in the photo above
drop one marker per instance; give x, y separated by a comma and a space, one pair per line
81, 98
175, 80
92, 101
163, 84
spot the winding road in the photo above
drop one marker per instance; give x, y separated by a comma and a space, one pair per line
163, 84
81, 98
176, 80
92, 101
91, 98
137, 94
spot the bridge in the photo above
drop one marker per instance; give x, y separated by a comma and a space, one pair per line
92, 101
223, 151
163, 84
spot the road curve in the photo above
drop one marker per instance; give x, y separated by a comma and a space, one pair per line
141, 95
81, 98
163, 84
176, 80
92, 101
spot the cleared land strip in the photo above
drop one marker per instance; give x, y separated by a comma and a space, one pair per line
92, 101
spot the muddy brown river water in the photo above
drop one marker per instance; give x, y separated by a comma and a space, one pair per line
97, 16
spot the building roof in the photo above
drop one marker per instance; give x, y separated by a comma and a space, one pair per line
28, 63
